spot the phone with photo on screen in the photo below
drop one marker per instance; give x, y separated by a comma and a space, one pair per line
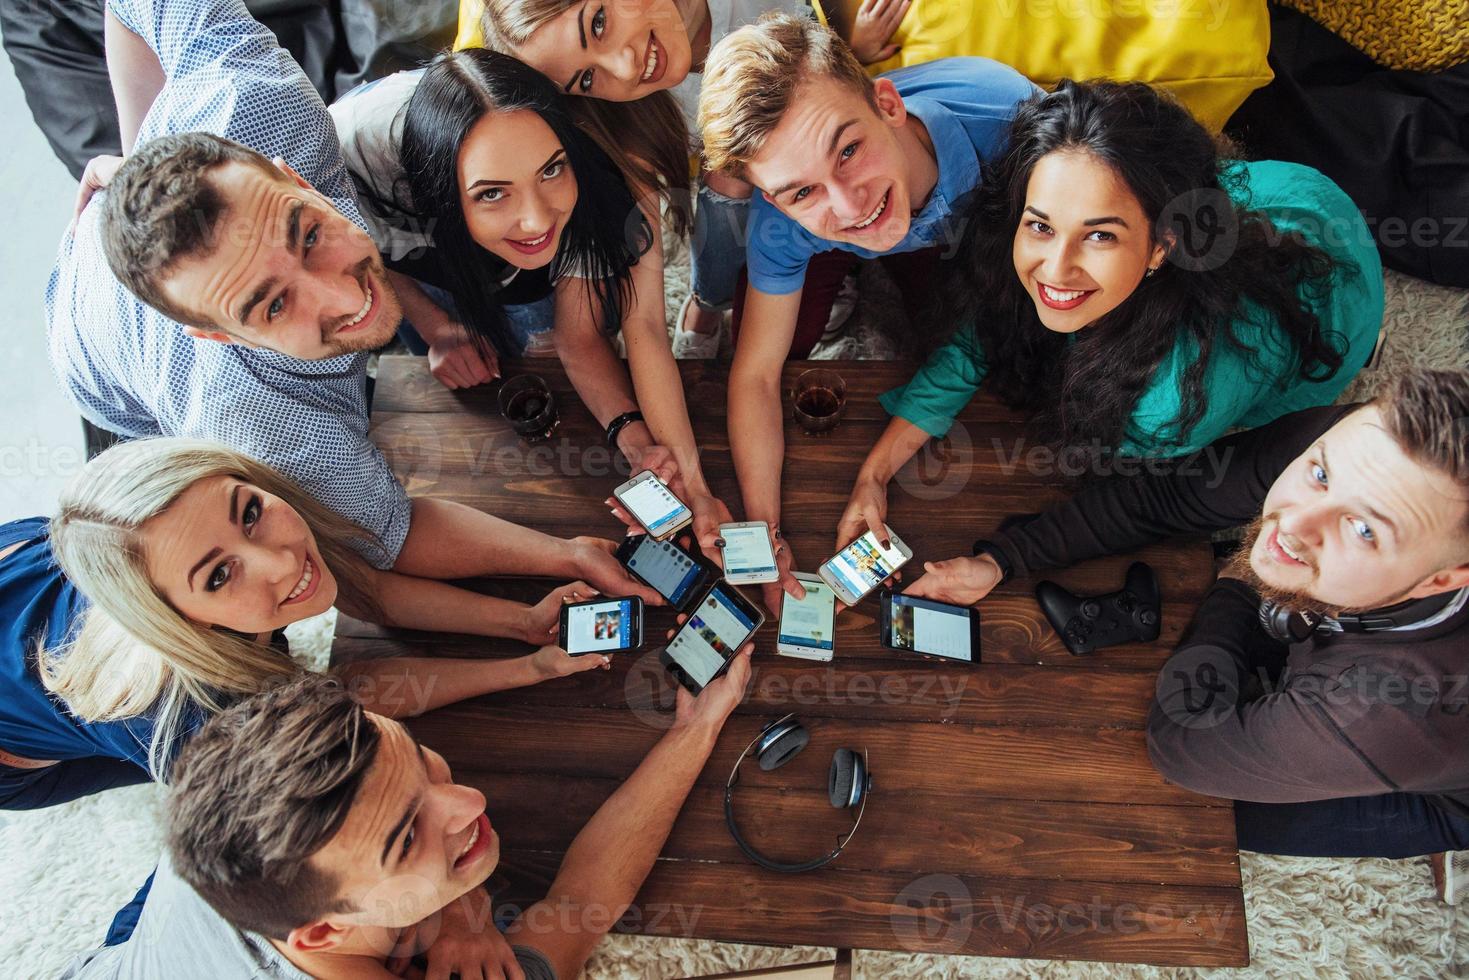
703, 647
808, 625
863, 565
936, 630
653, 505
664, 567
602, 625
748, 557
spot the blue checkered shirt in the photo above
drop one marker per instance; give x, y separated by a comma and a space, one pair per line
133, 370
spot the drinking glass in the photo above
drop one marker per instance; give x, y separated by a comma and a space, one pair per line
819, 396
529, 406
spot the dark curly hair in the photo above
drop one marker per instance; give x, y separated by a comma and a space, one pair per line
1085, 391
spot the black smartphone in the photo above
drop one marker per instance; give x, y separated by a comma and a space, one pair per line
931, 629
667, 569
703, 647
602, 625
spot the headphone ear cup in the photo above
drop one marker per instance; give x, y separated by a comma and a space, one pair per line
782, 744
845, 778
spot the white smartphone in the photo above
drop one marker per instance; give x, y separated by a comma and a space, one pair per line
748, 557
808, 626
653, 505
863, 565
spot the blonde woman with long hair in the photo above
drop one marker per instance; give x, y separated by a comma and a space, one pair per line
193, 558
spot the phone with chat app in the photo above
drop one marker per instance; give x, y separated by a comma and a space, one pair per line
602, 625
748, 557
664, 567
653, 505
708, 640
936, 630
863, 565
808, 625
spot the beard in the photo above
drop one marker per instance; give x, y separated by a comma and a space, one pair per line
390, 314
1239, 567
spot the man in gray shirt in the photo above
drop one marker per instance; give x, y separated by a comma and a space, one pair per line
306, 837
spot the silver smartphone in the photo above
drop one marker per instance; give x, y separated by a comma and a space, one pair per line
653, 505
748, 557
863, 565
808, 625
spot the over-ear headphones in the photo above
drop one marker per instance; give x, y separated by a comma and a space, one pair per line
1290, 625
847, 785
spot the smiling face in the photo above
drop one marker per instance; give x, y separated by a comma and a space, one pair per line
287, 272
227, 553
1354, 524
615, 51
839, 168
516, 188
1083, 244
413, 841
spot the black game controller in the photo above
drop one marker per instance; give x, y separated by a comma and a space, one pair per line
1087, 624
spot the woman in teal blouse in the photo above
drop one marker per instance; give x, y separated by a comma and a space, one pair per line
1135, 292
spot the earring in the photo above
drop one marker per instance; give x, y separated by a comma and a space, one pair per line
1151, 269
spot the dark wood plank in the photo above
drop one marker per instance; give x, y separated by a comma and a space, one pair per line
1108, 765
909, 832
948, 913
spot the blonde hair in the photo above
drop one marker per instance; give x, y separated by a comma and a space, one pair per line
647, 140
134, 653
752, 75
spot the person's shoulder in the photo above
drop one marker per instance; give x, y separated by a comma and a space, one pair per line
960, 76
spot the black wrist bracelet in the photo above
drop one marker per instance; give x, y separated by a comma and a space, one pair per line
618, 424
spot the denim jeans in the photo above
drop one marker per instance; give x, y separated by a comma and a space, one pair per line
530, 323
1393, 825
718, 247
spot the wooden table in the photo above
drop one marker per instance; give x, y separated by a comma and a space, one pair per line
1014, 811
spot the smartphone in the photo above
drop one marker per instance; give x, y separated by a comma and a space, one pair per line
808, 626
933, 629
602, 625
863, 565
653, 505
667, 569
703, 647
748, 557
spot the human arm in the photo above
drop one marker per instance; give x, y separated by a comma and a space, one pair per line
452, 357
756, 419
1217, 729
136, 75
448, 540
608, 861
410, 602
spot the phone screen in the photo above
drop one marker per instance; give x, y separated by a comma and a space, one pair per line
654, 505
747, 551
665, 567
809, 622
863, 565
599, 626
935, 628
711, 636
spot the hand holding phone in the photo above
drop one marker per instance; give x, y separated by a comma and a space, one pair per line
650, 502
678, 576
703, 647
602, 625
931, 629
748, 554
863, 565
808, 624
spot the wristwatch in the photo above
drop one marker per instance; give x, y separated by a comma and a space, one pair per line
983, 547
618, 424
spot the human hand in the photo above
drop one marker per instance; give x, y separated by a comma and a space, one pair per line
99, 173
873, 28
711, 706
543, 620
962, 581
709, 513
867, 510
552, 661
467, 944
773, 593
457, 361
649, 456
595, 563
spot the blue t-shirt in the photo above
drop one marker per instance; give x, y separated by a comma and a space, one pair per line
38, 604
966, 105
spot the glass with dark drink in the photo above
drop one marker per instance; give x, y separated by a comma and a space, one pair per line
530, 408
819, 397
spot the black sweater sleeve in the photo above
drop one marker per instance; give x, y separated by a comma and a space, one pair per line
1222, 485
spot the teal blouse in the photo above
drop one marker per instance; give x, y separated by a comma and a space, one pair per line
1244, 389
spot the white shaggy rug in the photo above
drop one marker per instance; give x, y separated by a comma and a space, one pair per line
65, 870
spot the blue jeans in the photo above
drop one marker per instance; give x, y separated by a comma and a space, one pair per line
530, 323
718, 247
1393, 825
